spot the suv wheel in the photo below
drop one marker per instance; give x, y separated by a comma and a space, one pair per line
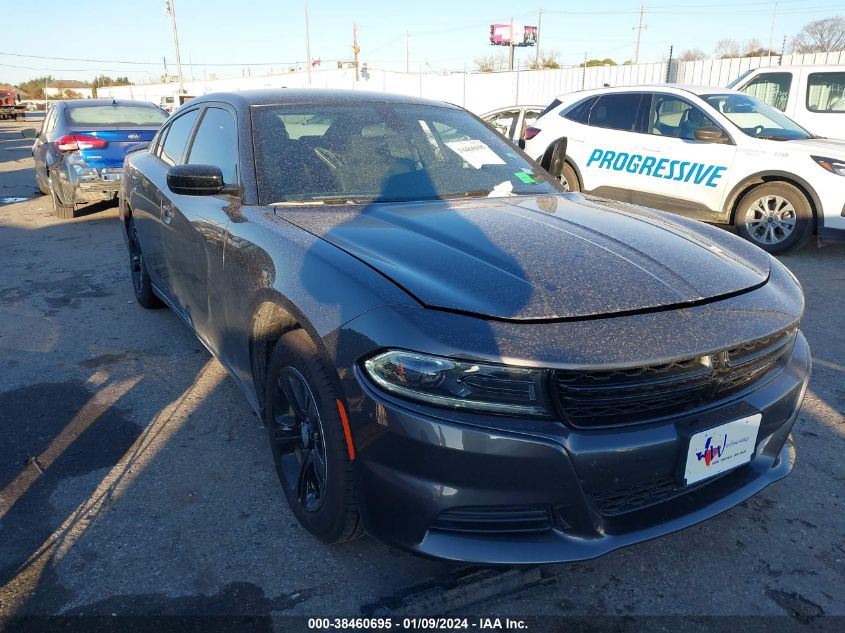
569, 179
775, 216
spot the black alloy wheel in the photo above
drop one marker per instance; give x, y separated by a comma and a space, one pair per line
313, 458
298, 441
141, 284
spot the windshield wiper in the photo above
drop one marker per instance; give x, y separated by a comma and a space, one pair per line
318, 201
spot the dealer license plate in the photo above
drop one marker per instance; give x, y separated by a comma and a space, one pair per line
721, 448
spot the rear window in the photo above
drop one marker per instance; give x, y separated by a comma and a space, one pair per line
116, 116
580, 112
550, 107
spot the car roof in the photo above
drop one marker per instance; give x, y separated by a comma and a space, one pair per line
837, 68
286, 96
87, 103
663, 87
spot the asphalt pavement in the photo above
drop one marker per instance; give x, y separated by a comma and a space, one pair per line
135, 479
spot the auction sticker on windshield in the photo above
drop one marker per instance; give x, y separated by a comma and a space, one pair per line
721, 448
475, 153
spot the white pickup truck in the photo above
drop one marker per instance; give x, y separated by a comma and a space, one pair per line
813, 96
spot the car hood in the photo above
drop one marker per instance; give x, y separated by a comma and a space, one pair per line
828, 147
538, 257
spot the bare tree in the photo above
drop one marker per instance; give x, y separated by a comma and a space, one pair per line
727, 48
820, 36
550, 59
490, 63
692, 55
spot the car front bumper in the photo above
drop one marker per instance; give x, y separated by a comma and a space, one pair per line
440, 487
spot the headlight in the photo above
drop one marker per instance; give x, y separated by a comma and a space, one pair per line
460, 385
833, 165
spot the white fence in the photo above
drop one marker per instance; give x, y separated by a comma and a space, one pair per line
481, 92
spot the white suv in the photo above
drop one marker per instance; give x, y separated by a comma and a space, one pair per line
712, 154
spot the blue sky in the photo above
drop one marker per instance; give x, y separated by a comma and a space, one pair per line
445, 34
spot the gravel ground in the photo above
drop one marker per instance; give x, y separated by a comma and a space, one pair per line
135, 479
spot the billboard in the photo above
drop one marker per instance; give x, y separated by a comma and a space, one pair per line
500, 35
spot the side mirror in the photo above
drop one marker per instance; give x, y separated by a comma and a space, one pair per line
29, 132
710, 134
554, 158
195, 180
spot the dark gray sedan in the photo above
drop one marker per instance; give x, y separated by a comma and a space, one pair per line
447, 350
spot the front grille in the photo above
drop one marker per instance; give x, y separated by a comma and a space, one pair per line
616, 397
495, 520
621, 500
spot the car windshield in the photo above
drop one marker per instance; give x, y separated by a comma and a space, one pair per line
756, 118
380, 152
116, 116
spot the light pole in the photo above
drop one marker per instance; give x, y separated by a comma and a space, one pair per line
307, 45
772, 31
171, 10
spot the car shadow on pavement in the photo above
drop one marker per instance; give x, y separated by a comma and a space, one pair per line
131, 465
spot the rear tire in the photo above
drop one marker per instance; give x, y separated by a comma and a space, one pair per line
308, 441
776, 216
141, 284
569, 179
60, 209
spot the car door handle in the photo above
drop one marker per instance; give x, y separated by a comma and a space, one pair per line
655, 150
166, 213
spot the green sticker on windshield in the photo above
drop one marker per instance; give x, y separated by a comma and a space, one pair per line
526, 178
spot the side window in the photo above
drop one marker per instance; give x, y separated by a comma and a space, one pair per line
616, 111
216, 143
771, 88
581, 112
826, 92
176, 139
504, 121
674, 117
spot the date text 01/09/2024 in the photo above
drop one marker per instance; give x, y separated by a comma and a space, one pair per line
417, 623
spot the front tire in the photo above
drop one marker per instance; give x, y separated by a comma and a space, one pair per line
775, 216
308, 442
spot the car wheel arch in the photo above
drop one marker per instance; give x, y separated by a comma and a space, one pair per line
271, 317
733, 199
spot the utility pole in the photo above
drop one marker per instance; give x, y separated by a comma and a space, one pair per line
407, 52
307, 45
510, 48
355, 48
639, 30
772, 30
172, 11
537, 43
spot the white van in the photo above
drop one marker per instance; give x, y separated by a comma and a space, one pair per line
813, 96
